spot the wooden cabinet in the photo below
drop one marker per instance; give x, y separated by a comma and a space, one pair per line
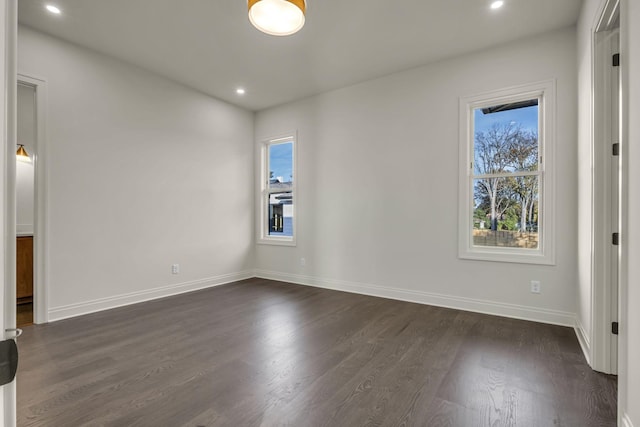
24, 269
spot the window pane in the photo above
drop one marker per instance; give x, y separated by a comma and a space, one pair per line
280, 165
505, 212
506, 138
278, 197
281, 214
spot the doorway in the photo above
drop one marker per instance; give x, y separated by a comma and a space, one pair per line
31, 202
25, 201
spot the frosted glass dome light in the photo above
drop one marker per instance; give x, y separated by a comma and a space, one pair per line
277, 17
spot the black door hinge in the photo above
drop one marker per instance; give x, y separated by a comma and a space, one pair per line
616, 60
614, 328
616, 149
615, 238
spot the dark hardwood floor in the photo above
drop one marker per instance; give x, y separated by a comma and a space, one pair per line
24, 315
267, 353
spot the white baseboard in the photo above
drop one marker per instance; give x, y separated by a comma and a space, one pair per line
73, 310
461, 303
583, 339
626, 421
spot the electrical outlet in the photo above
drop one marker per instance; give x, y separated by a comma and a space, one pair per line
175, 268
303, 262
535, 286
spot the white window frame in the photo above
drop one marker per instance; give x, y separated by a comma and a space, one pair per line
264, 192
545, 91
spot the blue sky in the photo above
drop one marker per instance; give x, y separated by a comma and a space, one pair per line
281, 160
527, 118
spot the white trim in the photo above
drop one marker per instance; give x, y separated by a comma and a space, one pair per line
583, 340
277, 241
545, 254
262, 169
625, 420
602, 251
41, 202
609, 12
8, 95
602, 267
535, 314
627, 49
87, 307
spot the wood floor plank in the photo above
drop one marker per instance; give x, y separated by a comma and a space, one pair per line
265, 353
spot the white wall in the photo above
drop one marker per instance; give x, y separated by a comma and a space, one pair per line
378, 186
24, 198
630, 319
26, 129
143, 173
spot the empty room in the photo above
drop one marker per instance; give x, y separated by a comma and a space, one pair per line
320, 213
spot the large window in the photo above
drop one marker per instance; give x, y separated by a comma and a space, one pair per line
278, 191
506, 175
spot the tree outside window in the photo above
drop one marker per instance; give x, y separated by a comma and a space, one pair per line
507, 173
505, 169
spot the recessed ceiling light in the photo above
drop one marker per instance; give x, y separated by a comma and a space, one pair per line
497, 4
53, 9
240, 91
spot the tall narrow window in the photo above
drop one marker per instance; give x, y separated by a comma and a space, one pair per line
278, 191
505, 212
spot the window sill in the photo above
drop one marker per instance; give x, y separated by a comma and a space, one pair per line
501, 255
277, 241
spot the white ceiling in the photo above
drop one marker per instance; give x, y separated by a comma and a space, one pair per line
210, 45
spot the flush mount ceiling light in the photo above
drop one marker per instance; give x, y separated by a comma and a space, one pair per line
22, 155
277, 17
240, 91
497, 4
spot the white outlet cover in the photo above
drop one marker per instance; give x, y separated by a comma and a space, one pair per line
535, 286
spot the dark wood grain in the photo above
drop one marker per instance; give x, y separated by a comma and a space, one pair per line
265, 353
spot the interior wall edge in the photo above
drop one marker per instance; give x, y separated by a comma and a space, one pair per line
535, 314
583, 340
101, 304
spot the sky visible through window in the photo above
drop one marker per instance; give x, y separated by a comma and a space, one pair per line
281, 161
527, 117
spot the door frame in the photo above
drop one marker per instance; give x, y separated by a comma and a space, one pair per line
8, 90
604, 299
40, 226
